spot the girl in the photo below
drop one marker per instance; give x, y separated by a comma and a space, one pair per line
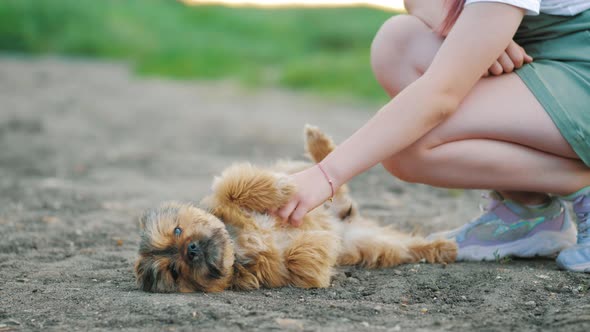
523, 132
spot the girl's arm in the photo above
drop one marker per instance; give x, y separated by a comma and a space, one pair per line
431, 12
481, 33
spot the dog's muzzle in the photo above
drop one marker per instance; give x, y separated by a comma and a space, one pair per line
194, 252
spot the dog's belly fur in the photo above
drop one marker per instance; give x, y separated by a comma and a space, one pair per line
305, 257
276, 254
300, 257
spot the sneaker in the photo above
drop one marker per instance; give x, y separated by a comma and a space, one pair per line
577, 258
511, 229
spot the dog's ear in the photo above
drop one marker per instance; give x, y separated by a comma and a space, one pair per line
146, 274
151, 216
317, 144
145, 218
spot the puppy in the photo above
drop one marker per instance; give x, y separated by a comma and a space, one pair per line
236, 244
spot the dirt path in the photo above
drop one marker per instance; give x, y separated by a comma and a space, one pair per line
85, 147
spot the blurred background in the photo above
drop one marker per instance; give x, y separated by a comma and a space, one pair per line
313, 45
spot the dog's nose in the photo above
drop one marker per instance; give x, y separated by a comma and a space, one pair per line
194, 251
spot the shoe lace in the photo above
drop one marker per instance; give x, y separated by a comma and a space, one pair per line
582, 209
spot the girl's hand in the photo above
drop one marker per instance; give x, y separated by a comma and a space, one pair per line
512, 58
313, 189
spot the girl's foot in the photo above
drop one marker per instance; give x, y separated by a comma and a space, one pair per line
577, 258
508, 228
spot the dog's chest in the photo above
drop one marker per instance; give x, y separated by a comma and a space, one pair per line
272, 233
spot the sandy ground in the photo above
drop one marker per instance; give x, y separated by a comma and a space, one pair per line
85, 147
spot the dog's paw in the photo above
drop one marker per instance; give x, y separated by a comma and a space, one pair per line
438, 251
318, 144
445, 251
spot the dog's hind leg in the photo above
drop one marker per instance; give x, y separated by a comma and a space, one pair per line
371, 246
317, 144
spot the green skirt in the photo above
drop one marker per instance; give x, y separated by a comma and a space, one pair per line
559, 75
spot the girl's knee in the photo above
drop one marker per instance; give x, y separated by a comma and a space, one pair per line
390, 48
408, 165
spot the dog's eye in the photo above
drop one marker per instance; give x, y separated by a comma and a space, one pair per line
177, 231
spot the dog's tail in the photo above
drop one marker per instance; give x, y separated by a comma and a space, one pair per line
317, 144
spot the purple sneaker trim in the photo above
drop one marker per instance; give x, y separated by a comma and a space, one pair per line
504, 213
524, 229
554, 225
581, 206
540, 231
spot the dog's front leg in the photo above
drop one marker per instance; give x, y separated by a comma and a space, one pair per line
252, 189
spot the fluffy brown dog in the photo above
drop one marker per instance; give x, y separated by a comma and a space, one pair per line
236, 244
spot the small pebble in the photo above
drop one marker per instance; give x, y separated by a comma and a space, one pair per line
290, 324
352, 280
530, 304
50, 219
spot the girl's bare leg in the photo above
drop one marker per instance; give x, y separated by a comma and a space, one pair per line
500, 138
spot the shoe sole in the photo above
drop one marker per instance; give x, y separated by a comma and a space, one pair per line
583, 267
541, 244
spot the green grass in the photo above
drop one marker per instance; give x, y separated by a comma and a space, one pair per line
320, 50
